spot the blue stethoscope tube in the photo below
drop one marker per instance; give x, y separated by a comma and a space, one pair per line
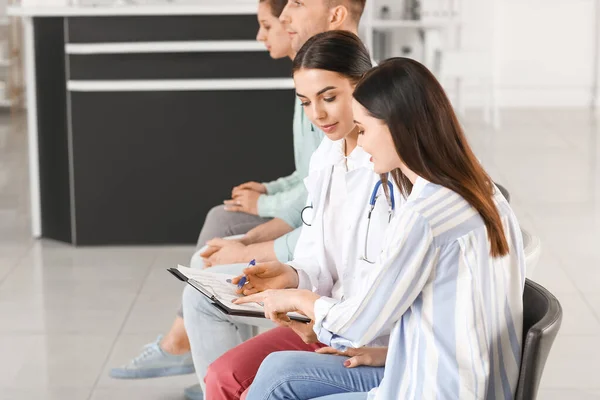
372, 202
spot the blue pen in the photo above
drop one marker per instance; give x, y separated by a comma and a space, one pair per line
244, 279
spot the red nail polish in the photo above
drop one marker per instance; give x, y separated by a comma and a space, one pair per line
347, 363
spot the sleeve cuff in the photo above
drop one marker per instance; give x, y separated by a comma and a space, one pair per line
272, 187
303, 280
267, 186
264, 206
322, 307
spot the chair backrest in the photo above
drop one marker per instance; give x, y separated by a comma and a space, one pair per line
532, 246
542, 316
503, 191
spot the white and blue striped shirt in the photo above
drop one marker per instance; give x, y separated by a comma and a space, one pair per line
456, 312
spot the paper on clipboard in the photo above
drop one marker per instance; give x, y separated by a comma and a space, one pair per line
218, 288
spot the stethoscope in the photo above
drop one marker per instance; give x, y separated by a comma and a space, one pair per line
372, 202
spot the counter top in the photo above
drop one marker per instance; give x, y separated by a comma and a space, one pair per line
241, 8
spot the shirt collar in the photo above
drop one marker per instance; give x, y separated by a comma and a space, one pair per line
357, 159
417, 188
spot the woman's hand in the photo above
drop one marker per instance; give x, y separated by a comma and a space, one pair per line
369, 356
254, 186
282, 301
244, 201
302, 329
269, 275
224, 251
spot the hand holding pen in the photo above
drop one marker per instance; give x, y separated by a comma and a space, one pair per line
243, 280
264, 276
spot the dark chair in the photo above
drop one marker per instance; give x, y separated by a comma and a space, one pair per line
542, 316
503, 191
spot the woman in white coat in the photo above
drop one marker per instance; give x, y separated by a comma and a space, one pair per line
345, 218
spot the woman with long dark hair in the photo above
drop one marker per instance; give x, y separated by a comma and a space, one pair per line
449, 280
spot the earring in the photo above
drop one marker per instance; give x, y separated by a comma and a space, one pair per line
312, 128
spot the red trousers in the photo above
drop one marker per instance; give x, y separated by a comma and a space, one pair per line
232, 373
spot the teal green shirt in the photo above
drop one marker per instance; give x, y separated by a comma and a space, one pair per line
286, 197
285, 245
284, 191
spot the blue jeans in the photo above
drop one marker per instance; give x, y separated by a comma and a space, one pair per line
304, 375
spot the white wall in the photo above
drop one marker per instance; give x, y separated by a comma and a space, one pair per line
543, 54
544, 49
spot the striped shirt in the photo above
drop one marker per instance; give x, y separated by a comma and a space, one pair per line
456, 312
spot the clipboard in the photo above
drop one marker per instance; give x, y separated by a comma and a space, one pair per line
253, 310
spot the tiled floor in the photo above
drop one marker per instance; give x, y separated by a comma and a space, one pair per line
67, 315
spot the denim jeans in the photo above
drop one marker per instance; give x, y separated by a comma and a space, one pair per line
304, 375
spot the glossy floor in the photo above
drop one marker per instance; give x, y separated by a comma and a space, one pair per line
67, 315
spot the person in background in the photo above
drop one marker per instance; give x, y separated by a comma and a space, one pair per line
265, 239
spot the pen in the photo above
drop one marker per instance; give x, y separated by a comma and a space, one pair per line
244, 279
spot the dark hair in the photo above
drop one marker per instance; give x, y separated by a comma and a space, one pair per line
428, 137
336, 51
277, 6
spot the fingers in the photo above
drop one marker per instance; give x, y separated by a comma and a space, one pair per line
233, 205
241, 193
248, 186
209, 252
362, 359
247, 289
273, 315
282, 319
251, 291
217, 243
253, 298
303, 330
234, 208
329, 350
236, 190
207, 263
236, 279
297, 324
255, 270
